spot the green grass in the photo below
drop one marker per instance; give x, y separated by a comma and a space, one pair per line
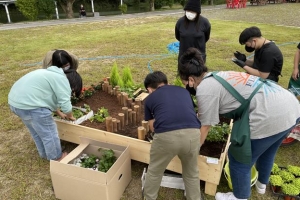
129, 42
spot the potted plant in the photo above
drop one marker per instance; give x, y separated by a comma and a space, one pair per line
218, 133
296, 182
275, 169
286, 176
276, 182
294, 170
290, 190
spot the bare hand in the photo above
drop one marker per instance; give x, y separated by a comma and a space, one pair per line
295, 74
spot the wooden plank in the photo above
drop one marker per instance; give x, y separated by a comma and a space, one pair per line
140, 151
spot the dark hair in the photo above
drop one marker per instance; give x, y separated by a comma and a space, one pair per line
75, 81
61, 58
191, 64
154, 79
248, 33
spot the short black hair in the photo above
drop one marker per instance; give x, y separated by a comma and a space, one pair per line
154, 79
191, 64
61, 58
75, 81
248, 33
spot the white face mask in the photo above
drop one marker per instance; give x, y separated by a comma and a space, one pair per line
190, 15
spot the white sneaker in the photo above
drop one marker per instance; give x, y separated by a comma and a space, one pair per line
260, 188
226, 196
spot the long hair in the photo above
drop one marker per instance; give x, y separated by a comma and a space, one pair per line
75, 81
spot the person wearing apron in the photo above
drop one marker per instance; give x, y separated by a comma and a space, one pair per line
257, 107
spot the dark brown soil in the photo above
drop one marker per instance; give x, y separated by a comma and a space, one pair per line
102, 99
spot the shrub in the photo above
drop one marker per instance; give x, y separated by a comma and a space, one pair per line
123, 8
294, 170
286, 176
276, 180
290, 189
28, 8
47, 7
114, 75
296, 182
275, 169
127, 77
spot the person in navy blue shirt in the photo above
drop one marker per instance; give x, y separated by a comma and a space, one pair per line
170, 112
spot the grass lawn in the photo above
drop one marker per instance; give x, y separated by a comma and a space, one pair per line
139, 43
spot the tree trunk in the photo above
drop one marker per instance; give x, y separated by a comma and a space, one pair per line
67, 6
151, 5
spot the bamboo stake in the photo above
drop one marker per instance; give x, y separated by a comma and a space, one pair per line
141, 133
109, 89
129, 116
121, 118
119, 98
108, 123
129, 102
118, 124
145, 124
125, 111
136, 108
133, 118
115, 126
125, 97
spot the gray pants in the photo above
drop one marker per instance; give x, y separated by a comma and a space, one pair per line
185, 143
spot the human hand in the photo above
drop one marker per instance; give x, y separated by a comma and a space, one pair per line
240, 56
61, 114
72, 118
295, 74
239, 63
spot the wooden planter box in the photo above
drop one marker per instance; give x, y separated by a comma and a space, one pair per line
210, 168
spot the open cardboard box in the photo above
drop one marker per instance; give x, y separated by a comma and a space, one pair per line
77, 183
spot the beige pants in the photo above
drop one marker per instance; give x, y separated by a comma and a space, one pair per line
185, 143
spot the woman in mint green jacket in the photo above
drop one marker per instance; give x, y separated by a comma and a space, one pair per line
36, 95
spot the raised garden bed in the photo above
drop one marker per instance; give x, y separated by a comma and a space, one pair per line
210, 161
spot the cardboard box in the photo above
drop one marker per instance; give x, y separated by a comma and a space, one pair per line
71, 182
87, 116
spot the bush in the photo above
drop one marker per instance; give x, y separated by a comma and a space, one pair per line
294, 170
127, 78
123, 8
275, 169
114, 75
158, 4
276, 180
286, 176
47, 7
290, 189
29, 8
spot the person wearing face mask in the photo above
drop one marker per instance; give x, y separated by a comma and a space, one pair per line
47, 61
257, 107
268, 59
192, 30
36, 95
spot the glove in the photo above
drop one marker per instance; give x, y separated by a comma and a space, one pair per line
239, 63
240, 56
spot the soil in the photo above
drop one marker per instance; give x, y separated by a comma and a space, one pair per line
103, 99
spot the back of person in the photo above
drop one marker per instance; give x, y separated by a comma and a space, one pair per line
164, 102
270, 98
39, 88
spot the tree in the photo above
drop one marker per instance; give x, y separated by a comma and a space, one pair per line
67, 6
47, 6
151, 2
28, 8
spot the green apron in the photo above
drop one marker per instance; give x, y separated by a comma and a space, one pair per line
240, 147
294, 84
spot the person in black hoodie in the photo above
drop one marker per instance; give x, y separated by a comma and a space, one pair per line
192, 30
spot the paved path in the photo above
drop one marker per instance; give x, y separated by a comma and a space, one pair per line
100, 18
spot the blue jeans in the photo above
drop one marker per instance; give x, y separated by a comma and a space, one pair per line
263, 155
43, 130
